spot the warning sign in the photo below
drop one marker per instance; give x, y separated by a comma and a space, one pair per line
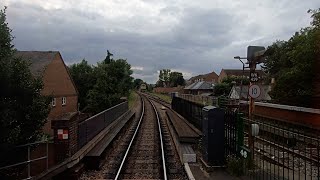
254, 91
63, 134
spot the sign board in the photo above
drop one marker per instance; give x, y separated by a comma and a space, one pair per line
254, 77
254, 129
252, 50
244, 152
62, 134
254, 91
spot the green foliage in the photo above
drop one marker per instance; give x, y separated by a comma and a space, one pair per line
170, 79
133, 97
23, 110
113, 81
149, 87
291, 63
222, 89
235, 165
164, 78
176, 79
226, 84
83, 76
237, 79
137, 83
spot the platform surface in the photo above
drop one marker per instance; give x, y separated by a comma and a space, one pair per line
184, 131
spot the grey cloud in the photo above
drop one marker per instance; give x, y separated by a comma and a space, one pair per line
202, 40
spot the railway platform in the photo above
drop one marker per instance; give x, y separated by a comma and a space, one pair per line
219, 174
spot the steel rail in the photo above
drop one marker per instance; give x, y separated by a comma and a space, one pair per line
132, 139
161, 142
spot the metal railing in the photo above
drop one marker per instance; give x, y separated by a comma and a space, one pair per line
234, 137
189, 110
283, 151
205, 100
27, 162
90, 127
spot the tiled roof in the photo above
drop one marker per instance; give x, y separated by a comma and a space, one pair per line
211, 75
39, 59
199, 85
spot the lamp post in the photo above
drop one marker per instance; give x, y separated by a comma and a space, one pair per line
241, 85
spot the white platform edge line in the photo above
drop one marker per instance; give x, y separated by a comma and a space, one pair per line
189, 172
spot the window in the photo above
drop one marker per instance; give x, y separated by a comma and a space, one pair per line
64, 100
53, 102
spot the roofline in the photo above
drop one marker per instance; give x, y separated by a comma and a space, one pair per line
203, 75
74, 85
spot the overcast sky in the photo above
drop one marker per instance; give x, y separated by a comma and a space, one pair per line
193, 37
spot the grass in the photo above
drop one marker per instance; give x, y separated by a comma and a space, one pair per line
132, 99
164, 97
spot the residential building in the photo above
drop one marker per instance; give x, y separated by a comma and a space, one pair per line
199, 88
210, 77
57, 83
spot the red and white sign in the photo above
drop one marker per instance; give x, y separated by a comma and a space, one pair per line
63, 134
254, 91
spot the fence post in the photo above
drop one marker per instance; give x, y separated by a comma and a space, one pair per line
240, 131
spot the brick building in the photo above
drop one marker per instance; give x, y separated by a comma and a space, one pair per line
210, 77
57, 82
199, 88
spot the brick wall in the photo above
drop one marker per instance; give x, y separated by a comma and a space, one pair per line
222, 75
65, 148
58, 83
211, 77
57, 80
297, 115
58, 110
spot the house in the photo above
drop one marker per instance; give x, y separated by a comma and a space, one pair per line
57, 83
242, 94
238, 73
198, 88
210, 77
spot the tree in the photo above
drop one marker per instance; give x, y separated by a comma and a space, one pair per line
84, 78
137, 83
164, 78
226, 84
237, 79
108, 59
23, 110
170, 79
222, 89
176, 79
113, 82
291, 64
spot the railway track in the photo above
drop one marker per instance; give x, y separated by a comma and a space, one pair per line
144, 157
143, 151
291, 163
